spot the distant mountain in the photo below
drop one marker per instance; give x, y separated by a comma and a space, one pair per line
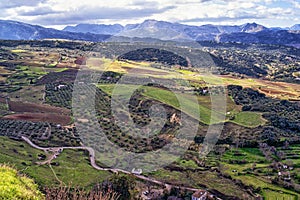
268, 36
296, 27
96, 29
246, 33
175, 31
153, 31
278, 28
12, 30
252, 28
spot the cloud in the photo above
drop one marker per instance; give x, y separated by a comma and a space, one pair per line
141, 3
46, 10
6, 4
196, 12
86, 14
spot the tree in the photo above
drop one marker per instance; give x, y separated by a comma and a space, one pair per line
281, 155
286, 145
253, 167
122, 184
220, 151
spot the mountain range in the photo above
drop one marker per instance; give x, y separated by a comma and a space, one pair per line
13, 30
165, 30
246, 33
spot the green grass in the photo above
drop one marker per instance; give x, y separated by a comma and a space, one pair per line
292, 152
56, 69
257, 181
74, 166
120, 89
275, 195
52, 65
253, 155
4, 109
26, 75
184, 102
32, 70
15, 186
188, 164
249, 119
277, 191
197, 180
212, 180
32, 94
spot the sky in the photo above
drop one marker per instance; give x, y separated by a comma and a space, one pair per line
60, 13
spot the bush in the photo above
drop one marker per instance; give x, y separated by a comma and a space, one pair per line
15, 186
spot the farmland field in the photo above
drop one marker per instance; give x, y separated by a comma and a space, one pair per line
256, 154
249, 119
73, 165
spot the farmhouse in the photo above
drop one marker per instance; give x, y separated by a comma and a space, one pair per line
285, 175
202, 195
137, 171
60, 87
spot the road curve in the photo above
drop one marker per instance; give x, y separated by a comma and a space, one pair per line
94, 165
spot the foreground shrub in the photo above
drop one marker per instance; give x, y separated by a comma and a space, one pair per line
16, 186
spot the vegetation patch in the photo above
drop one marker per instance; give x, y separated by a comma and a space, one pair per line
15, 186
72, 167
249, 119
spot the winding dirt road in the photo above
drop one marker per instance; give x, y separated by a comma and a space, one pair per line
57, 150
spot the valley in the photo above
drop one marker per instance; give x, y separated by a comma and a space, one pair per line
256, 100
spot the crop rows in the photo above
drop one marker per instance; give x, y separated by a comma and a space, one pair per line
119, 131
44, 134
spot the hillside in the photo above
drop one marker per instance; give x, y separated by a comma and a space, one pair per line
95, 28
296, 27
260, 132
12, 30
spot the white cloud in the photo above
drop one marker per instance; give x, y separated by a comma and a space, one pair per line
57, 12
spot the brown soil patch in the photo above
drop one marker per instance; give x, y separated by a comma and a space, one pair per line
41, 117
35, 108
2, 100
65, 65
270, 88
276, 92
80, 61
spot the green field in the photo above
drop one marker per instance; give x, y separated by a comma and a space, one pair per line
74, 166
238, 171
269, 190
251, 155
184, 102
31, 94
274, 195
249, 119
199, 180
189, 104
